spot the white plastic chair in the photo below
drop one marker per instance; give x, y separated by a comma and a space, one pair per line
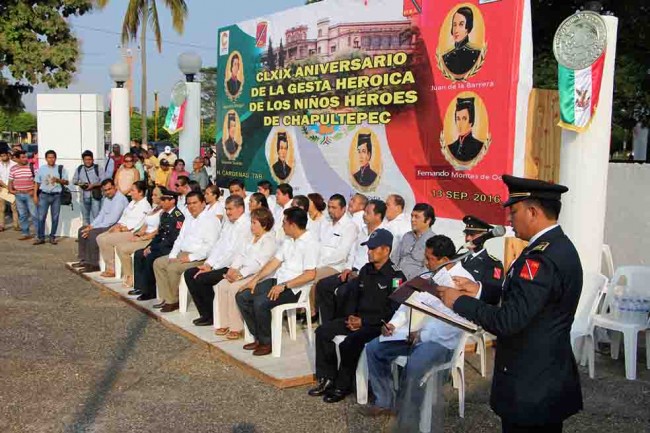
631, 278
457, 368
481, 348
582, 342
216, 319
362, 370
118, 266
607, 261
183, 295
277, 314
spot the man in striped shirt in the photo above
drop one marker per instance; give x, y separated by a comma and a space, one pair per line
21, 184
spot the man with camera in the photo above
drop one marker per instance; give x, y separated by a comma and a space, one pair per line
88, 177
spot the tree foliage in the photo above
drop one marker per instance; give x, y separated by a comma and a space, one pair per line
19, 122
208, 78
36, 46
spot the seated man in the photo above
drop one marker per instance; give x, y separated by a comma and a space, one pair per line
197, 237
486, 270
113, 206
171, 221
367, 307
235, 235
295, 267
331, 291
409, 255
431, 342
356, 208
236, 187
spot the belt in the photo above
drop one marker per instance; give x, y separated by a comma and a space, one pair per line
25, 191
51, 193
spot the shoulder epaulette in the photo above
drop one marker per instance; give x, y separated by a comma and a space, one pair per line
396, 268
541, 247
494, 258
177, 213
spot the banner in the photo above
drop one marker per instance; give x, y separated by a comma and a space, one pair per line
414, 97
174, 121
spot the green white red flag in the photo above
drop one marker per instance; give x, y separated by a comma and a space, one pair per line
175, 119
579, 93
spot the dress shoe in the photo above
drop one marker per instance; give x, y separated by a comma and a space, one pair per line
263, 350
251, 346
168, 308
89, 268
134, 292
78, 265
39, 242
203, 321
25, 237
335, 395
323, 386
144, 297
53, 241
160, 304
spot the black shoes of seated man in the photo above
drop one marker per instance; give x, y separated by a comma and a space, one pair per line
324, 385
335, 395
144, 297
134, 292
202, 321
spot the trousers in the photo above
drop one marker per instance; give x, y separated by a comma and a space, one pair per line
88, 248
144, 279
331, 295
201, 288
168, 277
26, 208
47, 202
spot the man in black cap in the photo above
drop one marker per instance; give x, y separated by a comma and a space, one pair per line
281, 168
466, 147
485, 269
367, 308
536, 385
230, 145
365, 176
171, 222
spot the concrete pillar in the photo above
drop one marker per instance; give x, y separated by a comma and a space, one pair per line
120, 119
584, 159
189, 140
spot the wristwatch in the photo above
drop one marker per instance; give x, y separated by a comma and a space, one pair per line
284, 286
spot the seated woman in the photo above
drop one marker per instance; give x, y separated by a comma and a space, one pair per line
317, 206
131, 220
213, 205
126, 175
257, 201
248, 262
178, 170
140, 239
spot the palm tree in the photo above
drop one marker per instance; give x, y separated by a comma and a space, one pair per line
139, 14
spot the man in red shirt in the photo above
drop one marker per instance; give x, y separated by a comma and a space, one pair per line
21, 184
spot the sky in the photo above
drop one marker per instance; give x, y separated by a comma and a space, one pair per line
99, 35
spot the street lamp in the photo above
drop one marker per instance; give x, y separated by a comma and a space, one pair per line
190, 64
119, 73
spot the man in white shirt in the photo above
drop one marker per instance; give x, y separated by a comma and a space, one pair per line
430, 342
5, 165
235, 235
295, 268
283, 198
266, 188
331, 291
236, 187
197, 236
337, 237
356, 209
168, 155
397, 222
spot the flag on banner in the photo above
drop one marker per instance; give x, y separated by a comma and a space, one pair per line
174, 121
579, 93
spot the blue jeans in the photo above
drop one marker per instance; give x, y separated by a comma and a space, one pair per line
90, 209
26, 208
45, 202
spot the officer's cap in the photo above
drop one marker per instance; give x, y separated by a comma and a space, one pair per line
474, 225
378, 238
520, 189
166, 193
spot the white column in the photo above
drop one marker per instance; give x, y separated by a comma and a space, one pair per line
120, 121
189, 140
584, 162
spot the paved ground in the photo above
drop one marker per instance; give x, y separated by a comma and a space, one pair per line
75, 360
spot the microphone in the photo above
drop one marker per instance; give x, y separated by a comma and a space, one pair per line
494, 232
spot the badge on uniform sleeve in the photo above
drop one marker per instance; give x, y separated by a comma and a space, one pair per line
529, 270
396, 283
496, 274
179, 224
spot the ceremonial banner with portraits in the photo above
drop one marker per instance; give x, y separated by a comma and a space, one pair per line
415, 97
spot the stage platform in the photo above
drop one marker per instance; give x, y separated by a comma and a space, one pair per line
294, 368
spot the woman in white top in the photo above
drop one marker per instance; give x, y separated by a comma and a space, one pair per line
244, 266
131, 220
213, 205
317, 206
257, 200
140, 239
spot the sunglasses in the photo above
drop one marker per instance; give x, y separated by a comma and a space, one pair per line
166, 198
128, 160
176, 185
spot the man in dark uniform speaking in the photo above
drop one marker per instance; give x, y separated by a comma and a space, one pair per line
536, 385
171, 222
482, 266
466, 147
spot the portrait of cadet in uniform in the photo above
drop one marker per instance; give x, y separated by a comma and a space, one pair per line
232, 141
281, 168
461, 44
365, 176
466, 147
234, 75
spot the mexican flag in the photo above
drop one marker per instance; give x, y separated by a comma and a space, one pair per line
174, 121
579, 93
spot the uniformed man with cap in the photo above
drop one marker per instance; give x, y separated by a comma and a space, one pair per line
171, 221
536, 385
485, 269
368, 307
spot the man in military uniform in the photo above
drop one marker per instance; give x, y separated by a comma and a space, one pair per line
367, 307
486, 269
281, 168
462, 58
536, 385
171, 222
466, 147
230, 145
233, 84
365, 176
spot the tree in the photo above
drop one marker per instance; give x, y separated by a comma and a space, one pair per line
140, 13
208, 77
281, 55
270, 56
36, 46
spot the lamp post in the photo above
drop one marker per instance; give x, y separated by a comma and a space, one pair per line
120, 122
190, 136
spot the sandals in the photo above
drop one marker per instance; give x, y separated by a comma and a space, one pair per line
107, 274
234, 335
221, 331
128, 282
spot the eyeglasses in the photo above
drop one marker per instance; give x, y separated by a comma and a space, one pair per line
166, 198
176, 185
128, 160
